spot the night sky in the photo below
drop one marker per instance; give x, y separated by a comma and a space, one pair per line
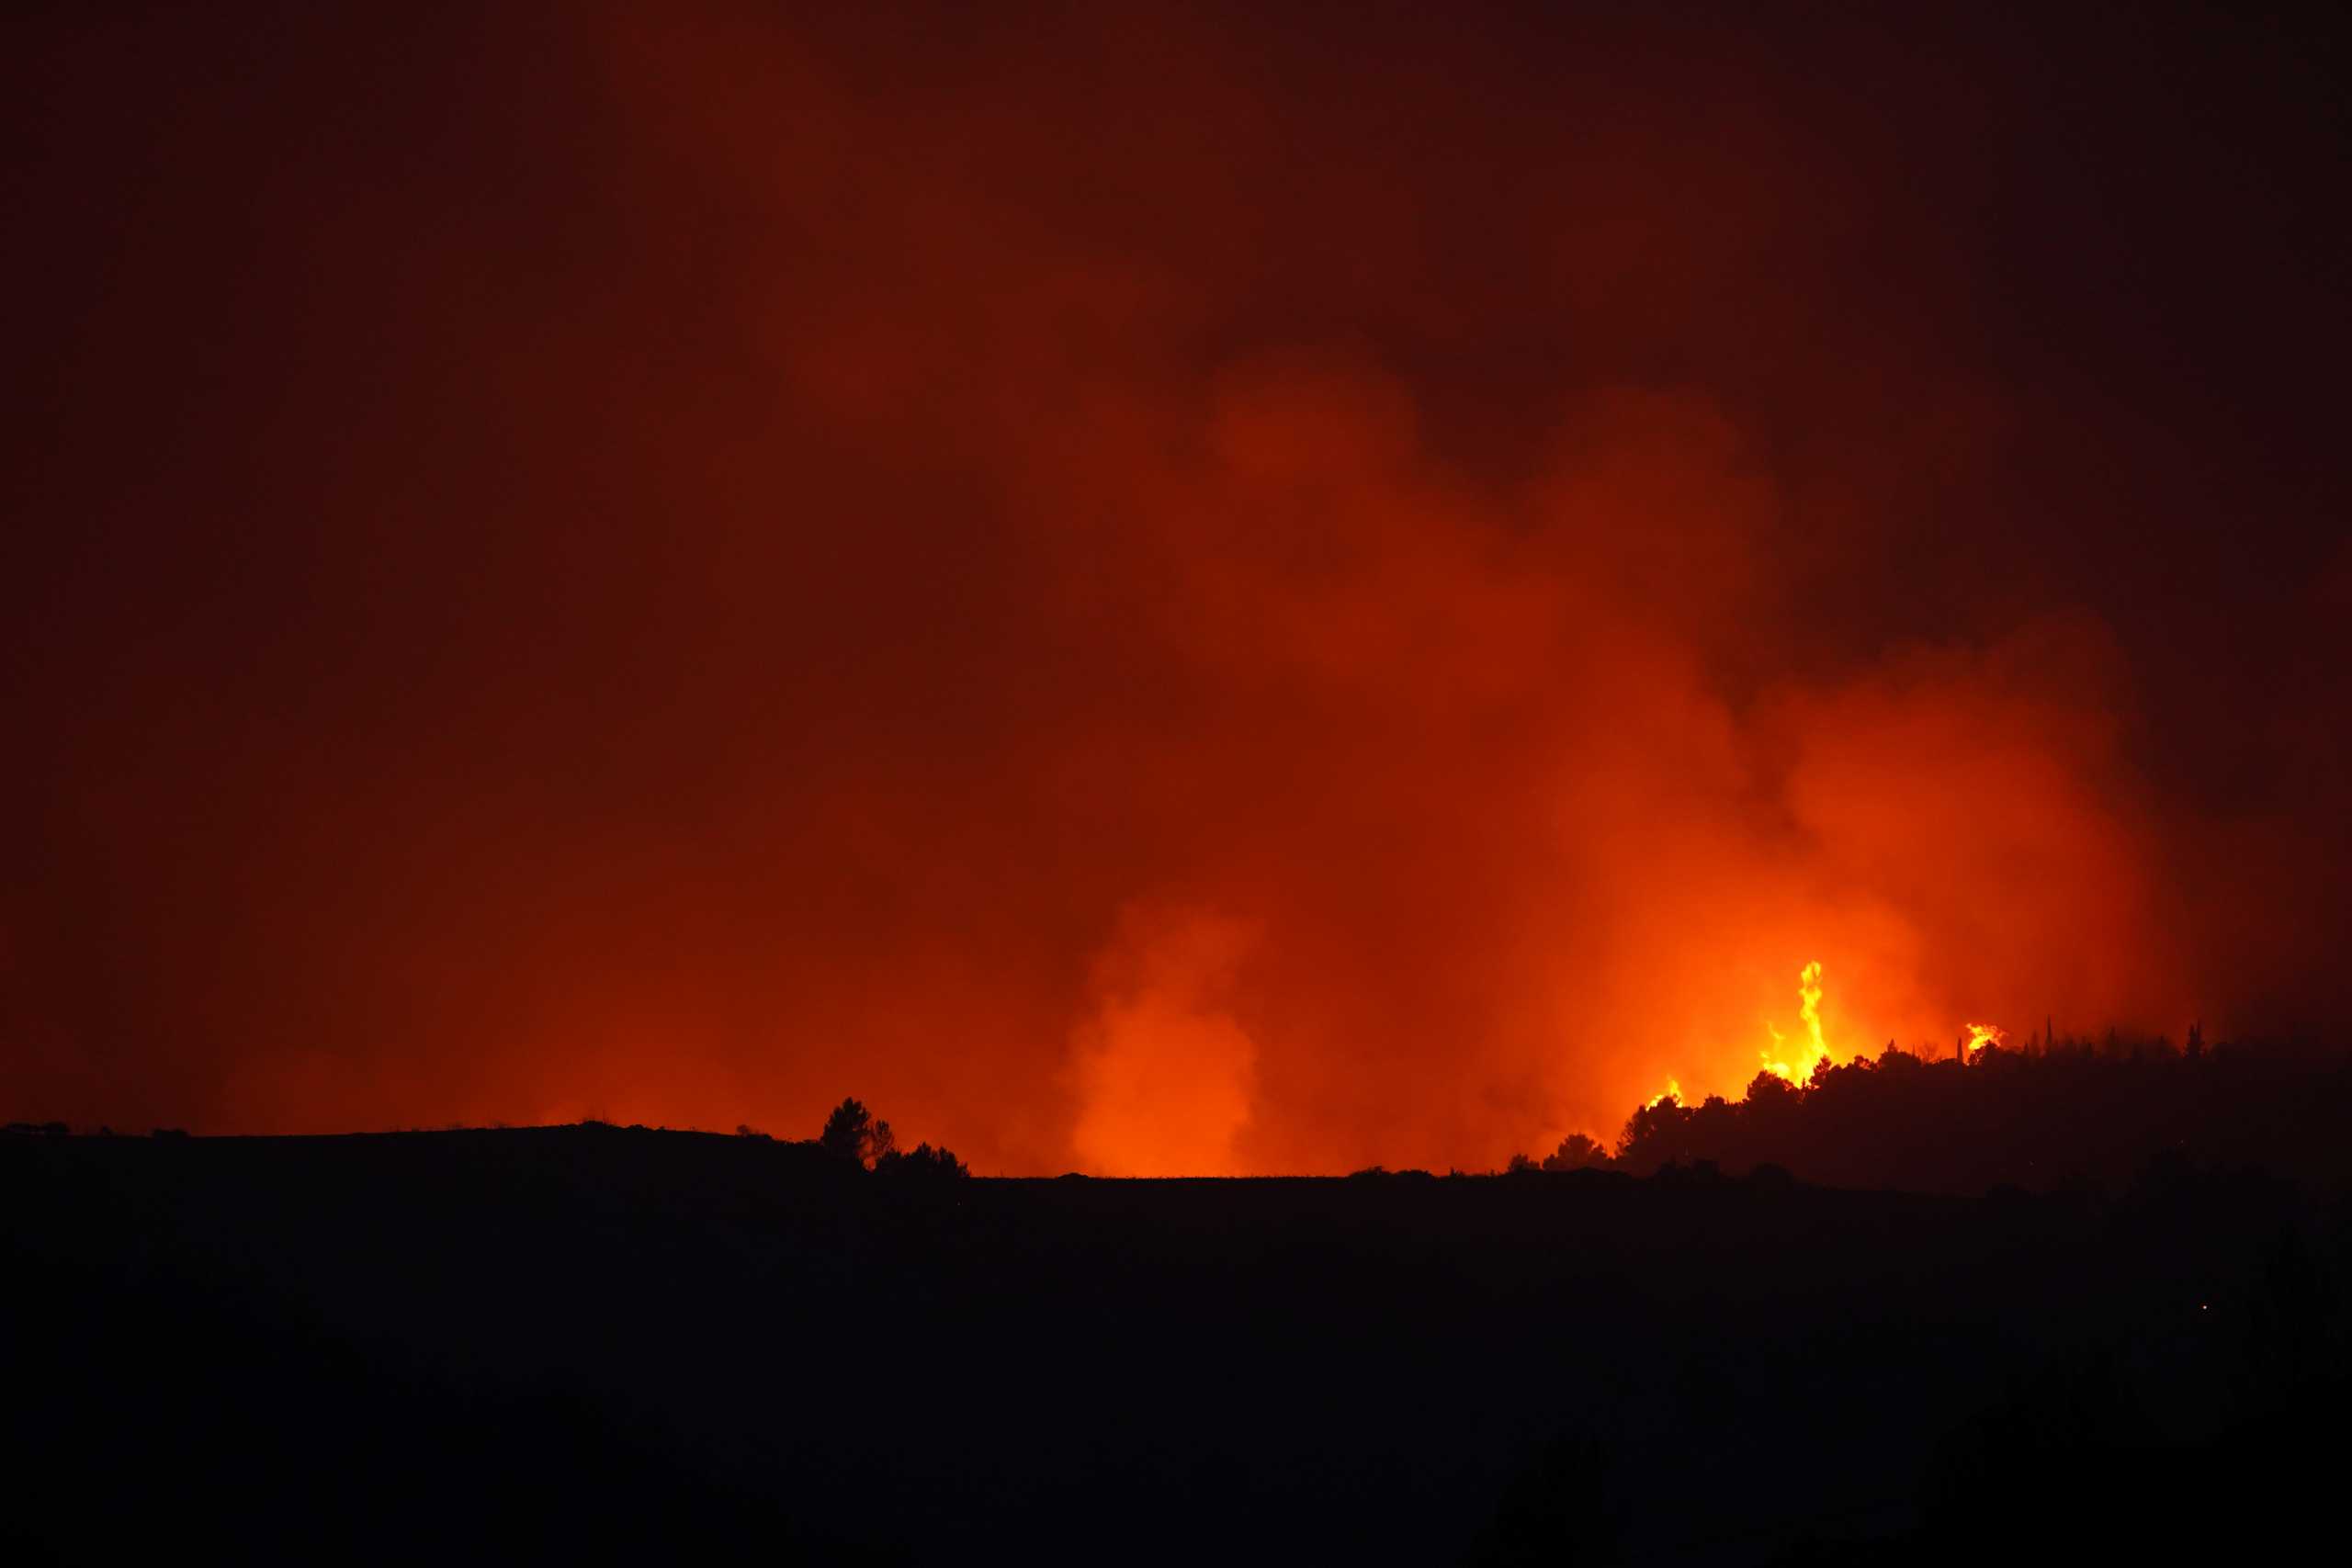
1147, 589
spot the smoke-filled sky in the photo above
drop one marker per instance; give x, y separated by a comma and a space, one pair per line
1156, 588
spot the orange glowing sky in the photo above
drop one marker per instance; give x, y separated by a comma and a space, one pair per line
1191, 589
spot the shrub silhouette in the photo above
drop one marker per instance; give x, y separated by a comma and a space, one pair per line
922, 1163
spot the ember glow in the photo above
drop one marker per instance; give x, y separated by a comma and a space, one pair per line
1198, 587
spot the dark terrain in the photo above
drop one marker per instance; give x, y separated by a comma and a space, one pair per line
590, 1341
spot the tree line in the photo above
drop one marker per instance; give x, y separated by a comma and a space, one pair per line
855, 1134
2047, 1116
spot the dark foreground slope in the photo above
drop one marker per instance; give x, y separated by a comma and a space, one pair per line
587, 1341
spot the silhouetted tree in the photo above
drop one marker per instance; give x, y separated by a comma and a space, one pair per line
853, 1132
850, 1132
1554, 1511
1576, 1152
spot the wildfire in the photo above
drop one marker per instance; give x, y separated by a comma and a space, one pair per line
1812, 1052
1795, 1063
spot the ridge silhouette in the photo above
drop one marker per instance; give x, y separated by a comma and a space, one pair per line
597, 1342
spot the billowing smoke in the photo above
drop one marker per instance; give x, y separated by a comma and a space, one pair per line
1164, 1076
1168, 593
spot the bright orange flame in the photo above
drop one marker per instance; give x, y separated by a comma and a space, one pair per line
1796, 1067
1814, 1052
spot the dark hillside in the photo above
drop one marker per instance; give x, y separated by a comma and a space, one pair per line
579, 1340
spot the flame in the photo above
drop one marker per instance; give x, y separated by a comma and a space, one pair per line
1814, 1052
1797, 1065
